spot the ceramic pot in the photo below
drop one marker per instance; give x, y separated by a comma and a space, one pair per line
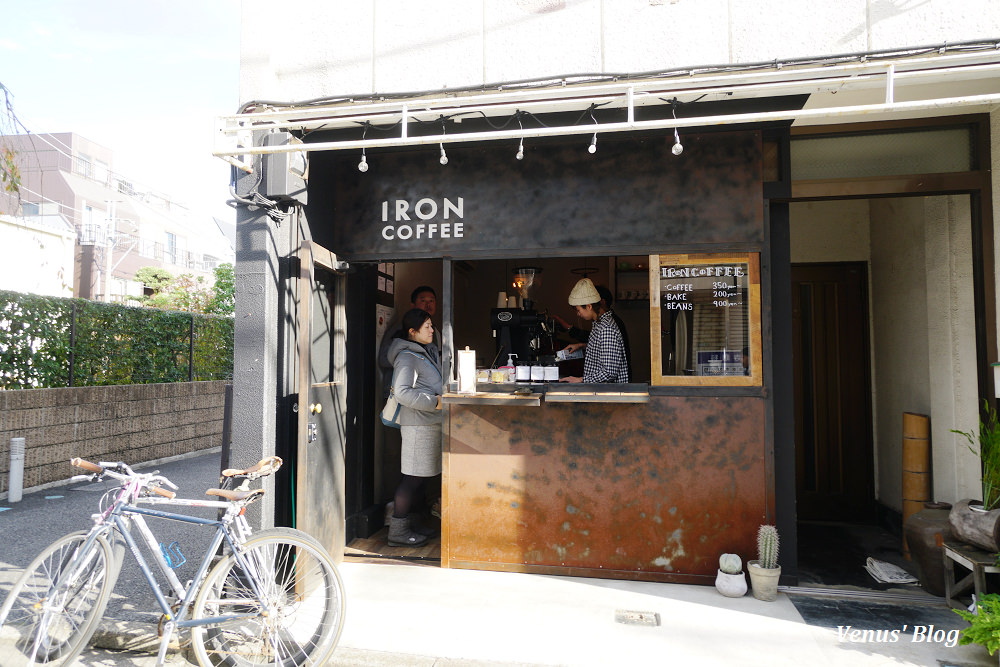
764, 581
731, 585
926, 532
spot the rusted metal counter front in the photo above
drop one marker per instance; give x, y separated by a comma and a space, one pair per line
653, 491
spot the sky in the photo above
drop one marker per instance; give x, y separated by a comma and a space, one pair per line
145, 79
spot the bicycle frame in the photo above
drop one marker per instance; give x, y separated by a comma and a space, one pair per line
122, 513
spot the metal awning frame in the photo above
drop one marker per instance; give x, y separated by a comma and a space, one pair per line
234, 137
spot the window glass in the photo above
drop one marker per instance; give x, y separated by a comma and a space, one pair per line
706, 308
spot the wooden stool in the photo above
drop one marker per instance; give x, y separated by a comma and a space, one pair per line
978, 561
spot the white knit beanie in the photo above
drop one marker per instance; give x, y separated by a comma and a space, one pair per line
583, 293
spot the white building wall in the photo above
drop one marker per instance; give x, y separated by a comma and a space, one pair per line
35, 259
899, 325
303, 49
951, 357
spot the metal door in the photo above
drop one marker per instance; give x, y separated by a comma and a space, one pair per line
321, 329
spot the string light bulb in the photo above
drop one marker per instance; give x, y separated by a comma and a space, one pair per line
444, 130
592, 148
363, 165
677, 147
520, 145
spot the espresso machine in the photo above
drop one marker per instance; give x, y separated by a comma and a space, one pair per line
519, 329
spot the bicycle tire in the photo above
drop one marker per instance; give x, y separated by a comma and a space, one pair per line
306, 599
47, 619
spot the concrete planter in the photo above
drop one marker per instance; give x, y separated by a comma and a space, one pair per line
764, 581
731, 585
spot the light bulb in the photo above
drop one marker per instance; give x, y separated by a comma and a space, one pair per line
444, 156
592, 148
677, 148
520, 150
363, 165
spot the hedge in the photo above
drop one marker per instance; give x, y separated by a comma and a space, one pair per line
58, 342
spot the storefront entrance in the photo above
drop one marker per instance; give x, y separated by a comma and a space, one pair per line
833, 439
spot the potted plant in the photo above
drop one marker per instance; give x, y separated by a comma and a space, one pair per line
985, 623
974, 522
765, 571
730, 581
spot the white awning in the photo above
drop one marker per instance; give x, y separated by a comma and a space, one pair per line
841, 89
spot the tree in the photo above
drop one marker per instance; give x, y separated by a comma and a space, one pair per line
223, 301
10, 173
189, 293
154, 278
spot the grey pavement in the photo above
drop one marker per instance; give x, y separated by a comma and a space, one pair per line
406, 615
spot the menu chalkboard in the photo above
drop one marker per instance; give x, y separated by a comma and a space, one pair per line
705, 318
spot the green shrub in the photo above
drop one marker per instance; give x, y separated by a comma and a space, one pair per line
44, 341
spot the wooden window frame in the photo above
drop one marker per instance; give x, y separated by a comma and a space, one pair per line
752, 260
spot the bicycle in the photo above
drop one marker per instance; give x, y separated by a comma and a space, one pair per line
273, 598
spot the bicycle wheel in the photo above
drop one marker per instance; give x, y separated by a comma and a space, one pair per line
301, 590
53, 608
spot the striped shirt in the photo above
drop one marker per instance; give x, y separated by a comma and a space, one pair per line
605, 359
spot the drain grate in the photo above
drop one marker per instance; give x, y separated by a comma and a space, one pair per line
629, 617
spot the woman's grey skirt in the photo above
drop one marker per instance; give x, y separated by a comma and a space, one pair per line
421, 451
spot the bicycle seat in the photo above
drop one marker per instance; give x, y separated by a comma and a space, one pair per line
262, 468
246, 497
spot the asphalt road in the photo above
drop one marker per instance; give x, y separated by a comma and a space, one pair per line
41, 517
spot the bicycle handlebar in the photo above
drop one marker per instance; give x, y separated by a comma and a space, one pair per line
148, 482
86, 465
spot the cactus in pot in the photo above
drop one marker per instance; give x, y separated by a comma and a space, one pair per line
765, 571
730, 580
767, 547
730, 563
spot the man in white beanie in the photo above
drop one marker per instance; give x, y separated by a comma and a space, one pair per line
604, 359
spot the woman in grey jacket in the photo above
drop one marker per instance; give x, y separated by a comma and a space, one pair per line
417, 382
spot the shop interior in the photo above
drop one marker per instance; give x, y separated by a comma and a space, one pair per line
536, 291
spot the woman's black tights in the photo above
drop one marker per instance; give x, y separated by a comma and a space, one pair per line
409, 495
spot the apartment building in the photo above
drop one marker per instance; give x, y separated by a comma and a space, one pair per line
120, 225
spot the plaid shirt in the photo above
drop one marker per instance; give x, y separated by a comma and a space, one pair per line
605, 358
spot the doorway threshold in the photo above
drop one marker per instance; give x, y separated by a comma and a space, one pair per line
917, 597
376, 549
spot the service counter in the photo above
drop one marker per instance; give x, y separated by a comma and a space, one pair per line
602, 480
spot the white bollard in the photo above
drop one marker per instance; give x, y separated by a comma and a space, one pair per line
16, 482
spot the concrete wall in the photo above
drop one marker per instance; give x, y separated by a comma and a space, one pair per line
951, 341
923, 345
830, 231
899, 326
395, 45
130, 423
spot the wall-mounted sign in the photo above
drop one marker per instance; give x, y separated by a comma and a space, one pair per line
705, 319
425, 219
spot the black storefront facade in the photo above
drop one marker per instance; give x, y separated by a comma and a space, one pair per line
653, 490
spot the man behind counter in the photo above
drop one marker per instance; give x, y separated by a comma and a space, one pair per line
605, 359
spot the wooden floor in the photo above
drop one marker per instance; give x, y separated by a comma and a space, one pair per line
376, 549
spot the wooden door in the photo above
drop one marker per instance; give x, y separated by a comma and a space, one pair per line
320, 349
833, 441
